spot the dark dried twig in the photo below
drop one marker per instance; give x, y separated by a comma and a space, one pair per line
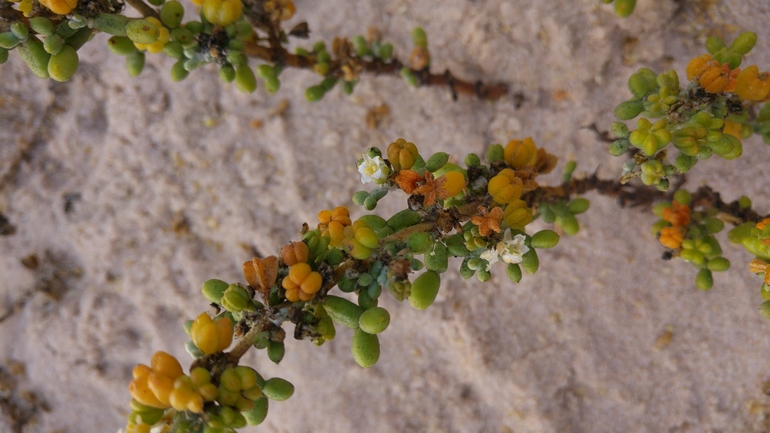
277, 54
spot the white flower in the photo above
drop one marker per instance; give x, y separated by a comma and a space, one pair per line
373, 170
490, 256
512, 250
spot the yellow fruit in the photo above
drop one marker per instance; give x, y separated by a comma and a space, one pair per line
519, 154
161, 385
295, 252
222, 12
505, 187
61, 7
402, 154
302, 283
211, 336
164, 363
699, 65
517, 214
455, 182
751, 85
141, 392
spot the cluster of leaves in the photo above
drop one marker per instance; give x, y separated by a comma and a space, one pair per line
708, 117
56, 57
162, 395
217, 37
687, 228
226, 33
712, 115
478, 214
755, 238
690, 235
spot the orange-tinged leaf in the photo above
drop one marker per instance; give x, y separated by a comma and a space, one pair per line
250, 274
267, 271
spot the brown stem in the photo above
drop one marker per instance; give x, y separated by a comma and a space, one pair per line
341, 269
642, 196
276, 53
707, 197
7, 13
247, 340
143, 8
401, 235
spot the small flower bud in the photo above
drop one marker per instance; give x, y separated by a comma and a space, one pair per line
213, 290
495, 153
472, 160
236, 299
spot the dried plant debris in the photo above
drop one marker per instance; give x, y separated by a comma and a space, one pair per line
375, 116
6, 228
53, 272
18, 407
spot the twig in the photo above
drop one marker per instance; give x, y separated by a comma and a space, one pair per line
247, 340
277, 54
403, 234
10, 14
642, 196
143, 8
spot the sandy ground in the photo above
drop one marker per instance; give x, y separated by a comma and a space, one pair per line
132, 192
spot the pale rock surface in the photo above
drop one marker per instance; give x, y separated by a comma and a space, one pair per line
160, 202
